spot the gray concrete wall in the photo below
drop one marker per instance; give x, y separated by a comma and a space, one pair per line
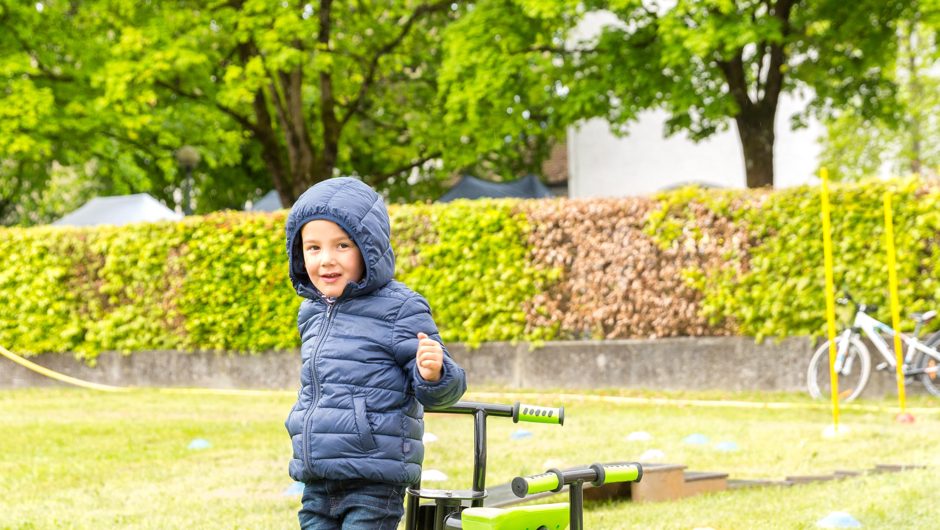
694, 363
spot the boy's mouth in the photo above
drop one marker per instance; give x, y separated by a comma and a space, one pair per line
331, 276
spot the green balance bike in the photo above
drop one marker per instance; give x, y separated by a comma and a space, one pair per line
464, 509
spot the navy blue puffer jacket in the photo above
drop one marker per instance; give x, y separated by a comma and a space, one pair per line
359, 412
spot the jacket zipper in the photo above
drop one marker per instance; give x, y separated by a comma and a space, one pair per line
330, 313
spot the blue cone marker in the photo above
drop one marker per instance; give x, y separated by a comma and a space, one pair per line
297, 488
199, 444
695, 439
520, 435
838, 520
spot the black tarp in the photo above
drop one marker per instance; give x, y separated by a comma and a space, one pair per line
528, 187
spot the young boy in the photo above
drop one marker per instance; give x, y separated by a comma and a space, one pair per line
371, 357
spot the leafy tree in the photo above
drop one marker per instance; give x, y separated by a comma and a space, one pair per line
708, 63
318, 89
856, 147
62, 106
271, 94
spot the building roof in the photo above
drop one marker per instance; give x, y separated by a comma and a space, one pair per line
119, 210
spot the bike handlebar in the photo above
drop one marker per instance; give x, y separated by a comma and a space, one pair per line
847, 299
596, 474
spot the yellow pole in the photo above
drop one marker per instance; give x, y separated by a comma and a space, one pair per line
830, 298
895, 306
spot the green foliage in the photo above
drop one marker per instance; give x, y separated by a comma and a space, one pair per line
64, 75
856, 147
234, 291
498, 97
470, 260
776, 287
128, 300
206, 283
42, 285
220, 282
706, 63
271, 94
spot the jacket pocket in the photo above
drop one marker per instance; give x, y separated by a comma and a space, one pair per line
362, 424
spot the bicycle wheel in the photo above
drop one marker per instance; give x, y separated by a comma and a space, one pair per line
931, 377
856, 368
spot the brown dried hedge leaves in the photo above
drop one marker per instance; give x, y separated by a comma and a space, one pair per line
616, 282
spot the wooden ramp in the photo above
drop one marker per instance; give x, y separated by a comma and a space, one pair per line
665, 482
660, 482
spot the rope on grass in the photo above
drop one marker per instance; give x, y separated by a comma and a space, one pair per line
56, 375
619, 400
52, 374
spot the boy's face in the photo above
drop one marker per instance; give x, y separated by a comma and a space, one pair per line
331, 258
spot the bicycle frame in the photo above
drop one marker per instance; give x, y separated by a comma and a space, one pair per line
874, 329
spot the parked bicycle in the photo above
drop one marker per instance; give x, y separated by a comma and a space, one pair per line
464, 509
853, 359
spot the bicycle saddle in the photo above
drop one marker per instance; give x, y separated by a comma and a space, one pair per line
923, 318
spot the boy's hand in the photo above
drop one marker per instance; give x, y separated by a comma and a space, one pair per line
430, 358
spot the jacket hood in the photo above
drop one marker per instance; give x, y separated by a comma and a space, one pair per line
361, 213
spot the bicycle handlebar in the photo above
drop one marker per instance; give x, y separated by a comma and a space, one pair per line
596, 474
847, 299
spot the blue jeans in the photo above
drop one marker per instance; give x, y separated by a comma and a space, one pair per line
351, 505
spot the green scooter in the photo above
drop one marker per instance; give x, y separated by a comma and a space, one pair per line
464, 509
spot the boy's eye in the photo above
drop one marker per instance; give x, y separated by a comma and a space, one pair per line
345, 245
313, 248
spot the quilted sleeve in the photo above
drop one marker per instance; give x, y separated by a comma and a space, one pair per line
415, 317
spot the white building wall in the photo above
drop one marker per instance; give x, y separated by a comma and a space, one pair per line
644, 162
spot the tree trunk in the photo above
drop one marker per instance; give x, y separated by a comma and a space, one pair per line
756, 131
916, 95
756, 115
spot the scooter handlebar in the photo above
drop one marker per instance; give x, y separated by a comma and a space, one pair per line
596, 474
617, 472
551, 480
537, 414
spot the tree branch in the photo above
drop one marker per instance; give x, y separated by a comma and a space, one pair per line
139, 145
733, 71
376, 179
332, 127
369, 78
774, 83
383, 124
47, 72
240, 119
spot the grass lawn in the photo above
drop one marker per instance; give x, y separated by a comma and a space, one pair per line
72, 458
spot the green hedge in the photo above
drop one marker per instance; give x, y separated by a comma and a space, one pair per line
776, 288
471, 260
220, 282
